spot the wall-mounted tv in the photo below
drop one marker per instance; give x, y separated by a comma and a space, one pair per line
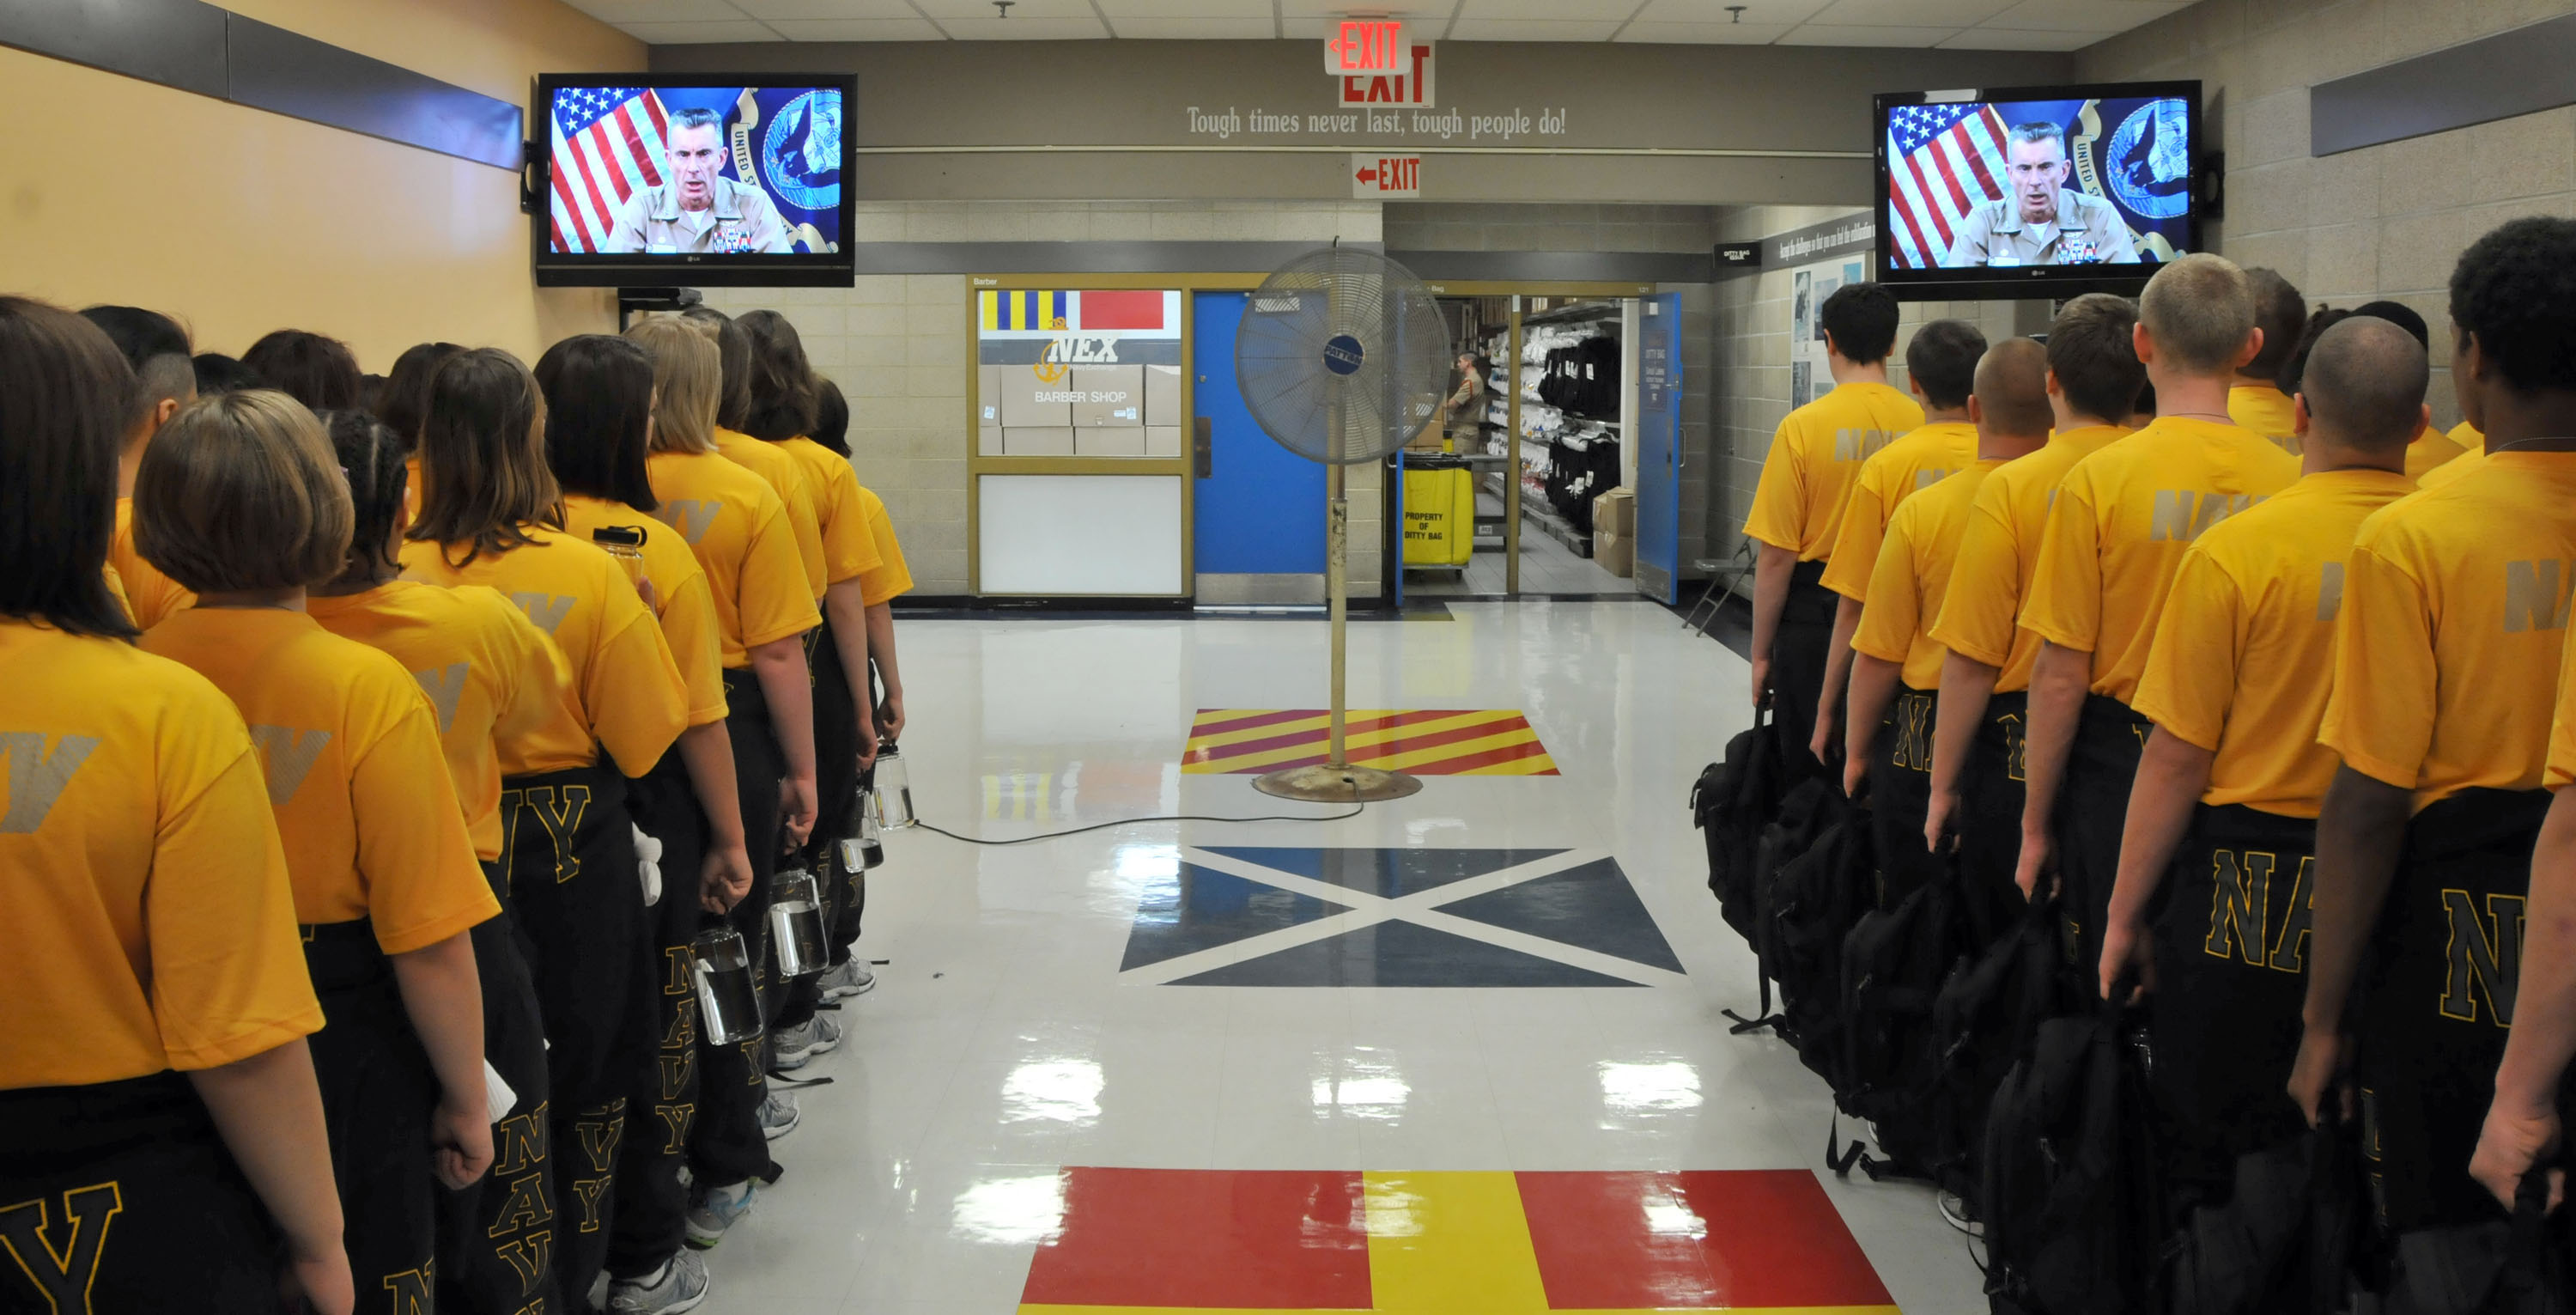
658, 179
2036, 191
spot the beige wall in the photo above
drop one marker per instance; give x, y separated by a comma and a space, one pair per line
2385, 221
238, 221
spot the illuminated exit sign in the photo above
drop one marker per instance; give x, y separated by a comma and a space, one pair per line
1366, 45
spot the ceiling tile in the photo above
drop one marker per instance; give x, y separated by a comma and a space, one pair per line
659, 11
815, 10
694, 34
1996, 38
1911, 13
1432, 14
1713, 34
944, 10
856, 29
1530, 29
1562, 11
1025, 29
1915, 38
2104, 16
1119, 9
1757, 13
1193, 29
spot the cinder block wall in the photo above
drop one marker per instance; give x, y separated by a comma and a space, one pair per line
2385, 221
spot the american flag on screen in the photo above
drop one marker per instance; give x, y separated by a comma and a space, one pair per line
607, 143
1943, 161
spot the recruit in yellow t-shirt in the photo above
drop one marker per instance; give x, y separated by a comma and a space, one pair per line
150, 596
1903, 468
349, 747
1999, 553
492, 677
1914, 573
2267, 411
737, 527
625, 694
2432, 449
847, 549
890, 578
2454, 612
786, 476
2248, 625
151, 923
2118, 529
1815, 456
682, 600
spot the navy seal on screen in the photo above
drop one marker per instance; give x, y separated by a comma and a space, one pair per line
697, 209
2040, 220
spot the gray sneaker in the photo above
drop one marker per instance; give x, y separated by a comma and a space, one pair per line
778, 1116
680, 1286
849, 978
720, 1209
790, 1048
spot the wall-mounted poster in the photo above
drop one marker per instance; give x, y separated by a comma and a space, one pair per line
1809, 378
1075, 373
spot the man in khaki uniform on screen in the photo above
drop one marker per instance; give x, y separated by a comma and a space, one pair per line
2042, 222
697, 209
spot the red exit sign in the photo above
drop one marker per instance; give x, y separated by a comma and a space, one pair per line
1384, 177
1410, 85
1365, 45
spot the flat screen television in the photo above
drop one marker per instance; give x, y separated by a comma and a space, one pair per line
2036, 191
662, 179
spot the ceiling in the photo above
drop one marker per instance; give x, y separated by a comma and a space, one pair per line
1949, 24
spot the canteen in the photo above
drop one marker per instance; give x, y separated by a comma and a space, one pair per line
894, 789
796, 933
728, 1002
866, 849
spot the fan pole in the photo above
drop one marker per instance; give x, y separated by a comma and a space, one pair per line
1335, 780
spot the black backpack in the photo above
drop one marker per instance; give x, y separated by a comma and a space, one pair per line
2282, 1241
2072, 1219
1731, 804
1814, 900
2516, 1268
1801, 821
1894, 963
1985, 1018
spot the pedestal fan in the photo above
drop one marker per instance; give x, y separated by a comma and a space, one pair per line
1342, 357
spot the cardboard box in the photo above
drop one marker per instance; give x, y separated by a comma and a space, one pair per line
1615, 553
1109, 442
1109, 397
988, 441
1029, 402
1049, 441
1616, 512
988, 406
1160, 440
1163, 397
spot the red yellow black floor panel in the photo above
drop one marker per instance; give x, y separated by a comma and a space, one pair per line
1425, 742
1194, 1242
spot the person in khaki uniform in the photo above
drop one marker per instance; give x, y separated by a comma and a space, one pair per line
697, 209
2042, 222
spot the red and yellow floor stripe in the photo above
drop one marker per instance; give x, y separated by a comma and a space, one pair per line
1198, 1242
1425, 742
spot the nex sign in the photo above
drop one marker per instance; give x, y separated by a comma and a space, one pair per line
1410, 84
1385, 176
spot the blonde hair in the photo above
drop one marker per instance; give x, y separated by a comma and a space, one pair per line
483, 469
2199, 310
243, 491
688, 379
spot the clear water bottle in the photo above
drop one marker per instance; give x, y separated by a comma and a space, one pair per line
894, 789
728, 1001
796, 933
866, 849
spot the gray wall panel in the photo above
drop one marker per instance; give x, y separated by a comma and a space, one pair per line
177, 43
2498, 77
295, 75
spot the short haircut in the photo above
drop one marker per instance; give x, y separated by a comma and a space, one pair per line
406, 393
218, 373
156, 347
242, 491
372, 454
2280, 312
2514, 292
733, 353
2040, 131
1942, 361
831, 417
1862, 319
66, 395
2012, 389
2365, 384
696, 116
2294, 371
2091, 350
317, 371
599, 407
2401, 315
2200, 310
782, 380
482, 457
687, 380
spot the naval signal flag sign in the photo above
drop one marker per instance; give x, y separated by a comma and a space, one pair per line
1385, 176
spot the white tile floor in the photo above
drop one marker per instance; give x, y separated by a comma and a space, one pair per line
1002, 1041
1547, 567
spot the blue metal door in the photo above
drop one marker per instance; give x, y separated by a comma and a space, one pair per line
1260, 507
1659, 446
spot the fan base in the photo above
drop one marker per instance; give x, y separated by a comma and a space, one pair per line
1325, 783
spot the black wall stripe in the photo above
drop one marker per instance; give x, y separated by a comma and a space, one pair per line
2499, 77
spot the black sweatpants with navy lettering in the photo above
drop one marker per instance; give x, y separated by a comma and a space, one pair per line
1900, 790
377, 1093
2231, 951
119, 1198
846, 920
2446, 955
2092, 815
568, 843
726, 1145
1991, 793
496, 1239
1798, 652
652, 1201
836, 816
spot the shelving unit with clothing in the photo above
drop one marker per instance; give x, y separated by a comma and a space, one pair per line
1572, 415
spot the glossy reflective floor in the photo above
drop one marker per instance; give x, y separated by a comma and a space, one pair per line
1459, 1053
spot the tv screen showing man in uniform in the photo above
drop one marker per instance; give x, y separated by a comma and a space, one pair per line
2005, 184
695, 170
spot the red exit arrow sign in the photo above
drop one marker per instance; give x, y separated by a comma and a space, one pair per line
1385, 177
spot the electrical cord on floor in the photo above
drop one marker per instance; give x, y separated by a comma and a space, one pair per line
1356, 810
